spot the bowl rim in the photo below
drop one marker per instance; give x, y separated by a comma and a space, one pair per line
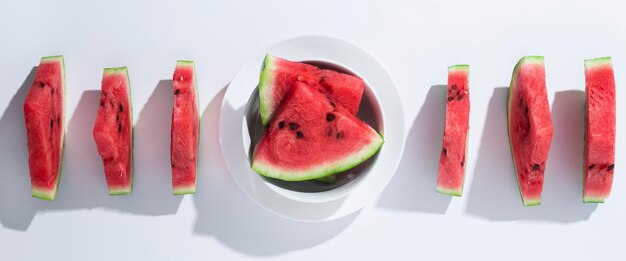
236, 157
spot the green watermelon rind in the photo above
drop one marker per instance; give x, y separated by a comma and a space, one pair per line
265, 92
458, 67
458, 191
321, 170
127, 190
51, 194
450, 192
190, 189
587, 199
184, 190
524, 60
590, 64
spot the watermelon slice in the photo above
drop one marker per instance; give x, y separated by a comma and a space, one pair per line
600, 130
453, 154
44, 114
309, 138
530, 126
185, 125
279, 75
113, 130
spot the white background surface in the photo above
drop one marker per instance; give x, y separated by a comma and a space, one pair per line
414, 41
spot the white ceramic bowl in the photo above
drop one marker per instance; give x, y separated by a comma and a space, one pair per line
381, 108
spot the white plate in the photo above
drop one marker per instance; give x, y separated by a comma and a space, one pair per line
318, 206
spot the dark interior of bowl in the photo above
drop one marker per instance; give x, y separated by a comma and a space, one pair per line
369, 112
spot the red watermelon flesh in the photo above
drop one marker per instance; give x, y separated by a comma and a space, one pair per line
113, 130
451, 174
44, 115
185, 125
600, 130
530, 126
309, 138
279, 75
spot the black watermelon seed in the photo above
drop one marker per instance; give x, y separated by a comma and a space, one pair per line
611, 167
58, 120
462, 163
526, 110
119, 127
330, 117
536, 167
460, 97
299, 134
281, 124
458, 92
51, 122
339, 135
121, 108
41, 84
454, 87
101, 103
591, 166
332, 104
450, 98
172, 165
177, 92
323, 79
445, 151
293, 126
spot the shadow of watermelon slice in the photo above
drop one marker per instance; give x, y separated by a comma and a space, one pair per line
413, 187
83, 185
494, 193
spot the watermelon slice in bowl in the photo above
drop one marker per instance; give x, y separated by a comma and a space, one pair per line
280, 74
530, 126
310, 138
350, 158
380, 108
599, 165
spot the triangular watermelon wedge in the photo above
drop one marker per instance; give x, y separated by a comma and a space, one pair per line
44, 115
530, 126
113, 131
279, 75
600, 130
309, 138
185, 126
